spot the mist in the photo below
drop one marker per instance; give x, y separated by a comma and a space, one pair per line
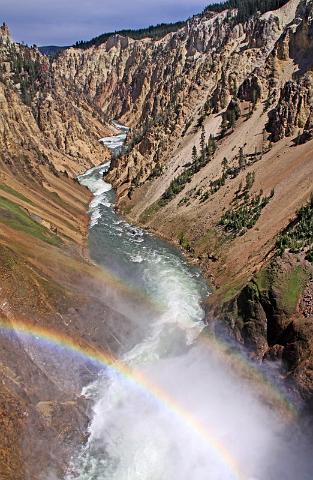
134, 435
197, 415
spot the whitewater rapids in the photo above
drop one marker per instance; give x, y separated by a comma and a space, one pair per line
198, 420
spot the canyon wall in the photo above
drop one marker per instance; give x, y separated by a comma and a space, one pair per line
219, 156
47, 137
218, 161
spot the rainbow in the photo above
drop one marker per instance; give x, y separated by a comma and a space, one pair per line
240, 363
103, 359
107, 360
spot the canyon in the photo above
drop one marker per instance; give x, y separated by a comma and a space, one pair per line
218, 161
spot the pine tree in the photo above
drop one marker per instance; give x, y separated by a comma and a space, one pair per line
246, 8
194, 154
242, 159
232, 119
224, 125
211, 146
254, 97
202, 142
298, 138
250, 177
224, 164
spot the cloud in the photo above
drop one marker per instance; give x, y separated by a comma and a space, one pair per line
62, 23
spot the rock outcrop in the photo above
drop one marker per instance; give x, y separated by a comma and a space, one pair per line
294, 112
39, 115
272, 316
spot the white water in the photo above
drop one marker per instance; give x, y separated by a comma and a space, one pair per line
99, 188
116, 141
133, 434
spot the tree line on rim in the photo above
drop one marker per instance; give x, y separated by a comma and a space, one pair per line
246, 9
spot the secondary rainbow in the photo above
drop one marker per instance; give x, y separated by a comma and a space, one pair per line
107, 360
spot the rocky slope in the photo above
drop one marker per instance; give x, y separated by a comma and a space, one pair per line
50, 124
219, 157
229, 208
47, 136
219, 160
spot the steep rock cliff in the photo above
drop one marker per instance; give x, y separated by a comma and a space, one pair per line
47, 136
219, 156
40, 116
214, 162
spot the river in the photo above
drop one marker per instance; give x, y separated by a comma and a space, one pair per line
189, 416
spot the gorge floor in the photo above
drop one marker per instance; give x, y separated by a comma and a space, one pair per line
148, 411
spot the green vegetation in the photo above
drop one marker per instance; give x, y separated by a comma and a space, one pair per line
230, 117
250, 178
215, 185
29, 71
230, 172
298, 236
242, 159
51, 50
168, 118
246, 8
244, 215
264, 279
10, 190
156, 32
292, 287
309, 256
185, 243
17, 218
178, 184
7, 258
255, 97
204, 197
229, 291
149, 212
156, 172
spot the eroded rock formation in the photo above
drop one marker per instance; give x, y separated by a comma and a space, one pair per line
218, 160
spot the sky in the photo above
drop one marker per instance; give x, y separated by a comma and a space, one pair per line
63, 22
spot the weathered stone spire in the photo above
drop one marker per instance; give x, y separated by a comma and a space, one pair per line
5, 36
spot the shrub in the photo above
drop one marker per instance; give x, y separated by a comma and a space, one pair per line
244, 216
178, 184
298, 236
